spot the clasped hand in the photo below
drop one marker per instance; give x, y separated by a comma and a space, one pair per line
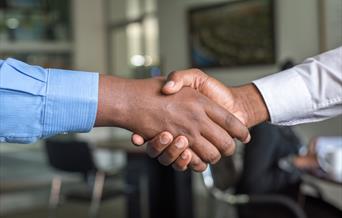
200, 120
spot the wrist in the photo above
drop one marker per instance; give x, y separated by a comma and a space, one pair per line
251, 103
113, 101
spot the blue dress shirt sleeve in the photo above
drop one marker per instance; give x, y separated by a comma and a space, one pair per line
37, 103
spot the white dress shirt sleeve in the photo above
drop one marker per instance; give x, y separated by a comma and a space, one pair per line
308, 92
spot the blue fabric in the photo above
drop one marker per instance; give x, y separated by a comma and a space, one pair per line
37, 103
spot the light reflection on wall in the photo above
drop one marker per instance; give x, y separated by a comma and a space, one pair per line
142, 37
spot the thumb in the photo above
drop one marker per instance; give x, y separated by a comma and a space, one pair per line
173, 85
137, 139
184, 78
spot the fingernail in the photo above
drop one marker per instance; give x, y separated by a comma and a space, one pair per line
164, 139
248, 138
170, 84
179, 144
184, 156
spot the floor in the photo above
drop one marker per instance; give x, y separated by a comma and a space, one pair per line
25, 186
110, 209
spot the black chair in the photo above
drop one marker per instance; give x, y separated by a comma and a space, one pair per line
76, 157
220, 185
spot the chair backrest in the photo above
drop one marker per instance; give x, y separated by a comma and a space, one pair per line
71, 156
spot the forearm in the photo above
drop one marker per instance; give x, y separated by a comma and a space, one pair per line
131, 104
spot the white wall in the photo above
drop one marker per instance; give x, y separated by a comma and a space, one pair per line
333, 23
297, 36
89, 35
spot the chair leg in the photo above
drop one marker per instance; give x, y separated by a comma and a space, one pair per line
97, 194
54, 195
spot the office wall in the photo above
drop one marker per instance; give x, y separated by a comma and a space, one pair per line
89, 35
297, 37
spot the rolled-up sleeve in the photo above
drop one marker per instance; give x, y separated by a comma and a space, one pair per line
37, 103
308, 92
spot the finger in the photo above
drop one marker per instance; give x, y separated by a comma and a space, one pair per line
219, 137
157, 145
228, 121
137, 139
173, 151
178, 79
205, 150
196, 164
181, 164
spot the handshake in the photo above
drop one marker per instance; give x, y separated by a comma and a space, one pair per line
189, 119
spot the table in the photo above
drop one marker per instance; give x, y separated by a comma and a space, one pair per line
168, 192
321, 175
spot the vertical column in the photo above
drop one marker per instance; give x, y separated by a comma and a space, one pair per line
89, 35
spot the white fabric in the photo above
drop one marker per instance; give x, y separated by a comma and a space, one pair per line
308, 92
329, 155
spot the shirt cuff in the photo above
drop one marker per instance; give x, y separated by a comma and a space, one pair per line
71, 102
286, 96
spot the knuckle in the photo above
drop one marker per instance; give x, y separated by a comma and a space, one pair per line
151, 152
164, 161
157, 145
241, 132
196, 163
179, 166
170, 154
215, 159
154, 147
228, 119
173, 75
200, 167
195, 117
197, 71
230, 148
212, 158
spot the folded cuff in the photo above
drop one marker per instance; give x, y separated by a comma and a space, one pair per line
71, 102
286, 96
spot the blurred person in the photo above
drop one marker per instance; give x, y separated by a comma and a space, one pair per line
285, 178
261, 174
323, 153
308, 92
38, 103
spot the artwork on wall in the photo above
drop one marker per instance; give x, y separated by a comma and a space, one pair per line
238, 33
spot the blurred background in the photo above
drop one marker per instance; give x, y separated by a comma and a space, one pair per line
233, 41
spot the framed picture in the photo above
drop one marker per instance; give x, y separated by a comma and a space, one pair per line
236, 33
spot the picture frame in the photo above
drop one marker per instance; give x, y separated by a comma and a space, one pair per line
232, 34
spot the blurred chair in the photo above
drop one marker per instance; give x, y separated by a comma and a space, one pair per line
76, 157
220, 181
260, 187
